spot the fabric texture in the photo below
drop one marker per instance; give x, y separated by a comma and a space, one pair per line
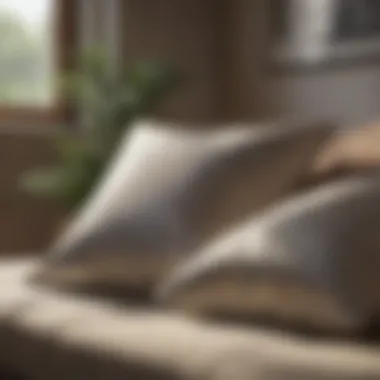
309, 261
169, 190
54, 335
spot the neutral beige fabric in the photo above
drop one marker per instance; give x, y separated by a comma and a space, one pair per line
170, 189
351, 148
350, 152
313, 259
49, 335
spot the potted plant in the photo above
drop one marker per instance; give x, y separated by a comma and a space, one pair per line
112, 103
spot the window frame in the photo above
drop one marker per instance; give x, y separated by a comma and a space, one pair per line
316, 46
65, 34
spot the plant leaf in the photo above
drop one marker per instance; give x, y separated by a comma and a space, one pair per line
44, 182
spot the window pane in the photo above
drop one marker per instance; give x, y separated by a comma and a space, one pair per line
358, 19
26, 53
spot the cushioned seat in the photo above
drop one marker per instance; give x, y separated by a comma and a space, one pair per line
51, 335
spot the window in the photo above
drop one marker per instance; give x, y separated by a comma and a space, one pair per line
357, 20
318, 31
35, 41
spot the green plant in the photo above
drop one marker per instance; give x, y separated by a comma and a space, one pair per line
113, 102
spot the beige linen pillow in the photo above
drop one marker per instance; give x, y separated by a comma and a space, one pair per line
310, 261
171, 189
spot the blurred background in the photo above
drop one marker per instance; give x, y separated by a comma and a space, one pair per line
241, 60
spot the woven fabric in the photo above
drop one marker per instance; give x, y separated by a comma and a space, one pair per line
60, 336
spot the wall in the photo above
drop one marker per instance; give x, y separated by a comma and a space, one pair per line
251, 98
184, 34
26, 224
218, 45
349, 95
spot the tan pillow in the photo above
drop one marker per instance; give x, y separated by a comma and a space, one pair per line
169, 190
310, 261
351, 152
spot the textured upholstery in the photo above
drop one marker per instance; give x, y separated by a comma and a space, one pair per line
172, 188
49, 335
310, 260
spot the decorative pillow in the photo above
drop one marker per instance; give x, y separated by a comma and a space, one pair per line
352, 152
169, 190
310, 261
